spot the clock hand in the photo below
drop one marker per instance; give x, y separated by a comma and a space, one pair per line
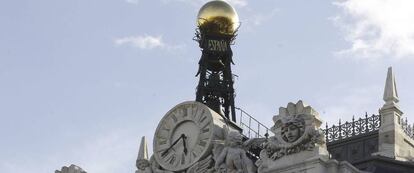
184, 143
175, 142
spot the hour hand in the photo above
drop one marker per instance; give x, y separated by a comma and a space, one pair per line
172, 145
165, 152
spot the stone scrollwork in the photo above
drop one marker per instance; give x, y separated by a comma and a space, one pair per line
296, 129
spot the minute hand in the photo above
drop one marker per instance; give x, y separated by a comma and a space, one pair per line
172, 145
184, 144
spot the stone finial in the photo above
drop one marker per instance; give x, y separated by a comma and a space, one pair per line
143, 163
390, 90
143, 149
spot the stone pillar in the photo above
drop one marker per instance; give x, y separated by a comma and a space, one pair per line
392, 141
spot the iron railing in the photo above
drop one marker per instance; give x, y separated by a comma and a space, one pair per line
252, 128
354, 128
407, 128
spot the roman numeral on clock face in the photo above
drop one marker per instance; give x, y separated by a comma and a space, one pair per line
198, 113
162, 141
174, 118
189, 110
205, 130
170, 158
182, 161
203, 118
179, 114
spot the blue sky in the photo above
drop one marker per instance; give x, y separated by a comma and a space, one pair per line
81, 81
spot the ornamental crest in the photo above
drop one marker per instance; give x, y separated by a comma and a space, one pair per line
295, 129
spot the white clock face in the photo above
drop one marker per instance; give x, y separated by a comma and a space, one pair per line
183, 136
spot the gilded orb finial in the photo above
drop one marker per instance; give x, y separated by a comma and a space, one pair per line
218, 17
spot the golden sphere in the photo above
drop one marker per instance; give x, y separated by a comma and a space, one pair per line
218, 17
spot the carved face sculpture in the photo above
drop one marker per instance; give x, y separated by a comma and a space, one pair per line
222, 169
142, 164
291, 132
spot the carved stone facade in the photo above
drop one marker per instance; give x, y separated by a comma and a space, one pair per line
298, 144
379, 143
296, 129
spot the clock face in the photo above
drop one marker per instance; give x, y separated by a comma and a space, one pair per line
183, 136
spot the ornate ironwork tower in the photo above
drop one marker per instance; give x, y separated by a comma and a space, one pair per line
217, 26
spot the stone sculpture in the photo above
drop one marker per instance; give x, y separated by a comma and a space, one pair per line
295, 129
233, 158
71, 169
142, 163
228, 156
143, 166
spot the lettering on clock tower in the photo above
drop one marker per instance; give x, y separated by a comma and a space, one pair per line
217, 45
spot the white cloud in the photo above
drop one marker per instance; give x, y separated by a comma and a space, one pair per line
142, 42
377, 28
132, 1
258, 19
238, 3
148, 42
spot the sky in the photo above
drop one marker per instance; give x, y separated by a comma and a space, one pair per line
82, 81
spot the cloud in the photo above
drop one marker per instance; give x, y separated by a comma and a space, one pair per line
238, 3
377, 28
132, 1
142, 42
258, 19
147, 42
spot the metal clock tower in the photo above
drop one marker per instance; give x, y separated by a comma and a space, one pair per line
217, 26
